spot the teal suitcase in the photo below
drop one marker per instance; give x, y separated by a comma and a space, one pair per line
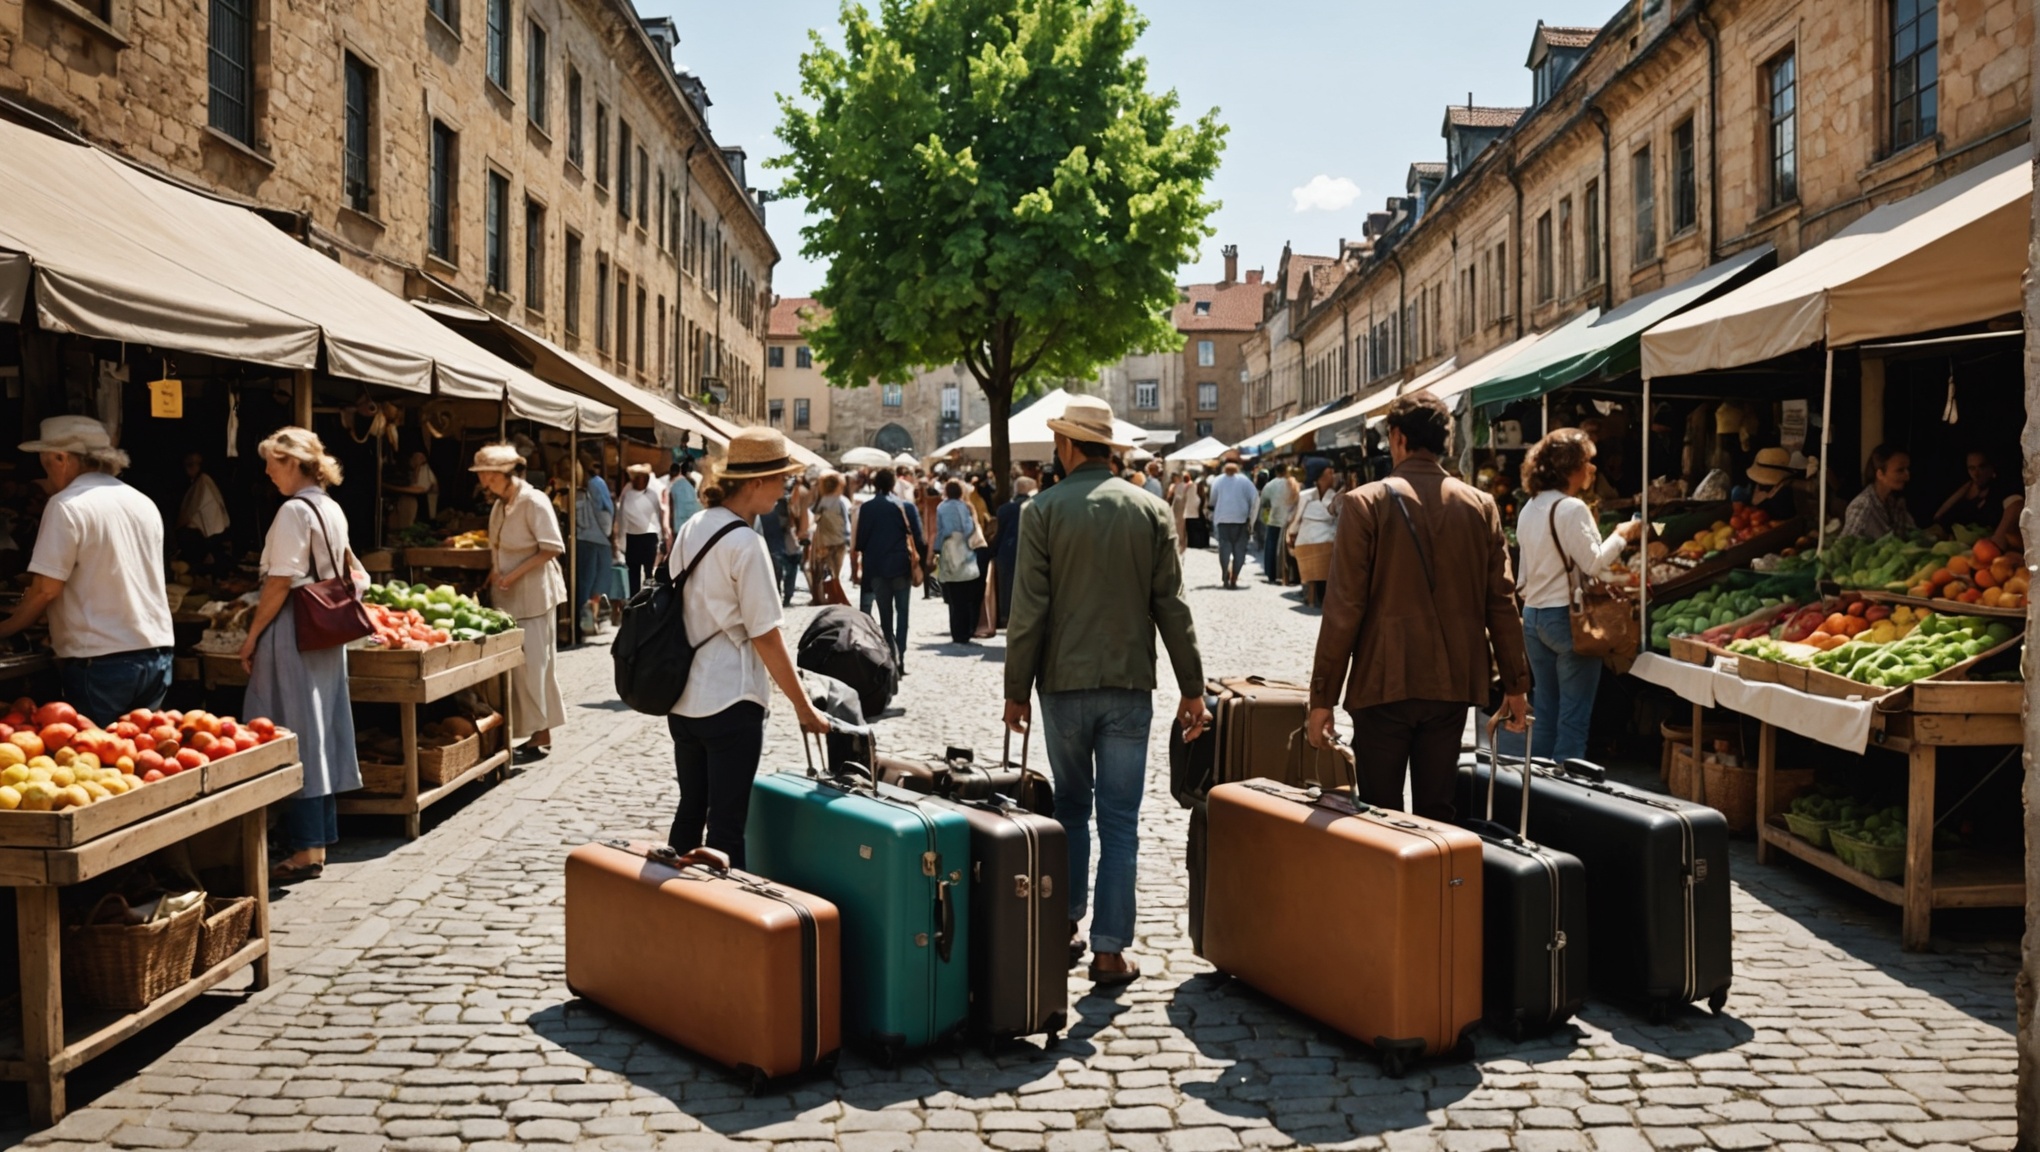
897, 872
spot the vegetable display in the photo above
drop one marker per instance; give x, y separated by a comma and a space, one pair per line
1970, 568
1702, 611
418, 616
1935, 645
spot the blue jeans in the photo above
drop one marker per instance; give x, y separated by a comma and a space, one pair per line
1562, 688
1097, 745
1272, 553
893, 595
310, 822
1232, 549
788, 564
106, 688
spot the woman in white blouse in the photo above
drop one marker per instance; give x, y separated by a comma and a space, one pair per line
1560, 539
305, 692
731, 598
525, 581
1315, 520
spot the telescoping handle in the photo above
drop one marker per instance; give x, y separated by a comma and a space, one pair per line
1494, 729
1006, 751
809, 741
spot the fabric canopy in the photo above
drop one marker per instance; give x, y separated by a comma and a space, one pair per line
1332, 413
1953, 254
1208, 449
1028, 429
1365, 408
1453, 388
1263, 442
728, 430
1610, 346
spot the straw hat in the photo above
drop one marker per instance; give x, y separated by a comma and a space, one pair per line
1088, 418
78, 435
1773, 466
638, 470
757, 454
496, 458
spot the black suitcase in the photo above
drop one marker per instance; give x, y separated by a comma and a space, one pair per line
1535, 923
1657, 881
958, 776
1195, 857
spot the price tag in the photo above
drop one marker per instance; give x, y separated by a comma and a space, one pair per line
166, 399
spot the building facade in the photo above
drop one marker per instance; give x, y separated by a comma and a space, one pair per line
1144, 388
936, 406
542, 159
1216, 321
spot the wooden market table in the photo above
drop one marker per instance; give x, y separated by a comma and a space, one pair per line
93, 842
500, 655
466, 561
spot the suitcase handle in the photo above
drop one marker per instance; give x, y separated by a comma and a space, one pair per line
1585, 771
1494, 729
809, 741
1317, 759
713, 859
945, 906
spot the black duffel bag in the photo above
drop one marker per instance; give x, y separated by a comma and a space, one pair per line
846, 644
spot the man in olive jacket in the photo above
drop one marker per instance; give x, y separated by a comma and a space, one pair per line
1097, 575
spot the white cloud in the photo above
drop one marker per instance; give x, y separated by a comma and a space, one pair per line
1325, 194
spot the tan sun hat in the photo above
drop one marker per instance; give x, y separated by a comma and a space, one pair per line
496, 458
77, 435
1772, 466
757, 454
638, 470
1088, 418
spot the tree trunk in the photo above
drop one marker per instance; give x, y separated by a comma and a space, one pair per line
999, 394
2028, 981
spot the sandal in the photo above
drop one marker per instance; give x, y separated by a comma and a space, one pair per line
288, 873
1112, 978
530, 753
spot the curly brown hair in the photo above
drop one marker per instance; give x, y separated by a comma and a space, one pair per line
1551, 464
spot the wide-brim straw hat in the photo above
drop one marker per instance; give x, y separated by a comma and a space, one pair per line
496, 458
77, 435
1772, 466
758, 454
1090, 419
638, 470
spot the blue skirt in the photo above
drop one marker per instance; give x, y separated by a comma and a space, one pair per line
306, 692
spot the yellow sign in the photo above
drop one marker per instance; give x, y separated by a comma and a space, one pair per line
166, 399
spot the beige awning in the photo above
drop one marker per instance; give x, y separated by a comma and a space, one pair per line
1028, 432
794, 447
1951, 255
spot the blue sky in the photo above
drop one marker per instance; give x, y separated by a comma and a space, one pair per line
1328, 100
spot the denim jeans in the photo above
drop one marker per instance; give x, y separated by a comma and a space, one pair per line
106, 688
894, 595
716, 757
1562, 688
310, 822
788, 564
1097, 746
1273, 553
1232, 549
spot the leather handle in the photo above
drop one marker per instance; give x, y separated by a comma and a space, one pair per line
1494, 729
715, 860
945, 935
1026, 742
1585, 771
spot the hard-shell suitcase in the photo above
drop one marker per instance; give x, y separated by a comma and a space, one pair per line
742, 970
958, 776
1196, 858
1366, 919
1252, 718
1657, 881
896, 870
1536, 918
1328, 768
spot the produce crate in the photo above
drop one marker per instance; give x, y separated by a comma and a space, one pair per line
447, 558
1692, 650
1822, 683
1874, 860
374, 662
438, 765
221, 670
1814, 832
1968, 696
502, 641
74, 826
228, 771
382, 779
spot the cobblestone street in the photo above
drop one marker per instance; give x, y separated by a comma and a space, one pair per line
420, 1003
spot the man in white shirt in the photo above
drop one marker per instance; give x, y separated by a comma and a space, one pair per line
1278, 495
1234, 503
98, 568
637, 518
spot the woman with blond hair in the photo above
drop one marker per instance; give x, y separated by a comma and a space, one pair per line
525, 581
305, 692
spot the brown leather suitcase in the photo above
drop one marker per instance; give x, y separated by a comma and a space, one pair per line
1252, 720
744, 971
1304, 767
1366, 919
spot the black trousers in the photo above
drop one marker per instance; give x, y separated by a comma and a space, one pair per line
640, 556
716, 758
1420, 736
966, 604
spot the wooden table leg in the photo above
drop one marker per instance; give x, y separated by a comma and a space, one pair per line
1767, 763
509, 724
407, 733
255, 881
1697, 782
40, 944
1919, 850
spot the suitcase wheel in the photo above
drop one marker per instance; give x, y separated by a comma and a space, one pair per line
1398, 1056
1718, 1001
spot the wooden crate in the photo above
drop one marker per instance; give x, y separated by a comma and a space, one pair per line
1690, 650
502, 641
75, 826
371, 662
1968, 696
447, 558
1841, 687
228, 771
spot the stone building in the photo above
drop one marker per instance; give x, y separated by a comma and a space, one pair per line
541, 159
1144, 388
1215, 320
936, 406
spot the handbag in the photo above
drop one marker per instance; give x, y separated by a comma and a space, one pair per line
958, 563
1603, 620
914, 572
328, 613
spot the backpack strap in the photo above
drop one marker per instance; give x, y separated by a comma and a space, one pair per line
687, 572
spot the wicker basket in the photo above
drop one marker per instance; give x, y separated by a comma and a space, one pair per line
1313, 561
229, 921
127, 967
438, 765
1814, 832
382, 779
1732, 790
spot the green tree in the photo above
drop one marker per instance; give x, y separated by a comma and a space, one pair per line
994, 184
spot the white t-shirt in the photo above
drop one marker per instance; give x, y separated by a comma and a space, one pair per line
424, 478
104, 540
295, 533
1541, 579
732, 597
640, 511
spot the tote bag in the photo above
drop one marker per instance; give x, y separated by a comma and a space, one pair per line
1603, 620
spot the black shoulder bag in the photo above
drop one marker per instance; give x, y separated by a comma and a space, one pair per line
652, 651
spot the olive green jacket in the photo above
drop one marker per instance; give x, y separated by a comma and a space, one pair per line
1097, 575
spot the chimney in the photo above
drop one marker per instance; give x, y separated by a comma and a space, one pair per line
1253, 276
1231, 252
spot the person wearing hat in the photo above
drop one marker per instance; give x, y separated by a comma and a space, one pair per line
525, 581
1096, 576
731, 600
638, 522
1773, 474
98, 573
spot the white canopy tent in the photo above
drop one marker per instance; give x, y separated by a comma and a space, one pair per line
1028, 431
1202, 452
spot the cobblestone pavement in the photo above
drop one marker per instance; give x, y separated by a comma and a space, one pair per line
421, 1006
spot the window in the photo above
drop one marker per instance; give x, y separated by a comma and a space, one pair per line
535, 94
447, 11
1592, 203
803, 357
1565, 246
775, 357
639, 328
573, 116
496, 245
1202, 308
1915, 76
1469, 300
534, 255
661, 314
445, 172
1147, 395
601, 144
1203, 428
1781, 77
1546, 282
661, 202
360, 118
601, 302
1501, 281
800, 414
1643, 192
572, 288
623, 320
622, 169
1207, 354
497, 54
892, 396
230, 53
1685, 179
952, 402
775, 412
1207, 397
644, 181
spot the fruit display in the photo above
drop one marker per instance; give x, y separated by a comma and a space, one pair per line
415, 535
1743, 525
52, 759
1935, 645
418, 616
1704, 610
479, 538
1855, 619
1980, 574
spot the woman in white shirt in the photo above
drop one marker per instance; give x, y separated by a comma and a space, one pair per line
305, 692
1315, 520
525, 545
1559, 539
730, 604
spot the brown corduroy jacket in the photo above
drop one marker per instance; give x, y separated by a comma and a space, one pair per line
1388, 633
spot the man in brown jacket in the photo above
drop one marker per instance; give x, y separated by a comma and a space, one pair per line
1419, 589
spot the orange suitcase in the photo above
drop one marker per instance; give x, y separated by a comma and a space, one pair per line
1366, 919
744, 971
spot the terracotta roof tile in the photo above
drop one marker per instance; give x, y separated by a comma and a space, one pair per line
1234, 307
786, 315
1476, 116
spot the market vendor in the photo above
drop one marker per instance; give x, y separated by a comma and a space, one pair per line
1773, 494
525, 545
420, 490
1981, 500
202, 520
1880, 509
98, 568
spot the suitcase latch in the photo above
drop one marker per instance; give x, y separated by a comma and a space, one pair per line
1047, 887
1699, 870
920, 939
1455, 882
1021, 887
864, 851
931, 863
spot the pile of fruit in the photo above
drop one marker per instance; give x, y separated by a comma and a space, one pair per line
1702, 611
51, 758
417, 616
1743, 525
1936, 644
479, 538
1981, 574
1856, 619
